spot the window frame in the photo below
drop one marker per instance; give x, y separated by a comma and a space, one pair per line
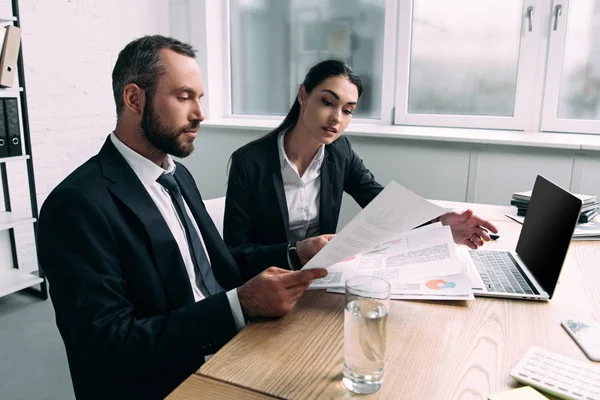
388, 71
537, 83
555, 58
525, 84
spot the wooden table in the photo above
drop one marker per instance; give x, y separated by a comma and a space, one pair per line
201, 387
435, 349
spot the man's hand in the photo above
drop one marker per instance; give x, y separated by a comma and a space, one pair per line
467, 228
309, 247
275, 291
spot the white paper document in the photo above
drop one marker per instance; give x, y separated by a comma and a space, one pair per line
419, 264
394, 211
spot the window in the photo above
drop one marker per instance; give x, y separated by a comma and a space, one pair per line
275, 42
465, 63
572, 99
452, 70
494, 64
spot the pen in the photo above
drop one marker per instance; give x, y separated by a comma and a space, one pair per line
494, 237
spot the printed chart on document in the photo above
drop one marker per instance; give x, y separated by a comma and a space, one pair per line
380, 241
420, 264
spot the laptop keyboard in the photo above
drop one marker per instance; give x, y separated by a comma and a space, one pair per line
500, 273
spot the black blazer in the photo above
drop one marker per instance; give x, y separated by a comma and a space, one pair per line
123, 301
256, 215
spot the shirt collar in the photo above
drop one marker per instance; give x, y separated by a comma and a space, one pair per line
146, 170
283, 158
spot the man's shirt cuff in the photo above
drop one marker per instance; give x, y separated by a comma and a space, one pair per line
236, 309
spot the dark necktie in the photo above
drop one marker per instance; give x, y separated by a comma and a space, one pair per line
201, 264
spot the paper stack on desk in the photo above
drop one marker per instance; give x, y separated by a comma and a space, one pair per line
589, 210
587, 231
421, 264
380, 241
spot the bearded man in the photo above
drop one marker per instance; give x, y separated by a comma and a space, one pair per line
143, 287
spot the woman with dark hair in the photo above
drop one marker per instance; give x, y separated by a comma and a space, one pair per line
285, 189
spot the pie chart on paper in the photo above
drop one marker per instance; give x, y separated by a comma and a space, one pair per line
439, 284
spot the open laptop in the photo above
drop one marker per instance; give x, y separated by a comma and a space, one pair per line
531, 272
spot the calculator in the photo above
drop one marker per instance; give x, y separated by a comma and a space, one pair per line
558, 375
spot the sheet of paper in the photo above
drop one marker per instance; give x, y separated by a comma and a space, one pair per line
420, 253
450, 287
463, 255
394, 211
420, 264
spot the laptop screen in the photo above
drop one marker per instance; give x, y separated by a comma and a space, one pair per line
549, 224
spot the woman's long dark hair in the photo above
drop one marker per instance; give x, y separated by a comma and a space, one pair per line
316, 75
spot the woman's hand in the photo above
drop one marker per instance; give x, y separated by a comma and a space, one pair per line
309, 247
467, 228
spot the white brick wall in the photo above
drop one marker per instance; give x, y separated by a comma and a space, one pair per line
70, 47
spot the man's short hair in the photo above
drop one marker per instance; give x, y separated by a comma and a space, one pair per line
139, 63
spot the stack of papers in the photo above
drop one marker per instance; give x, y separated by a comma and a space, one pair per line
380, 241
587, 231
421, 264
589, 209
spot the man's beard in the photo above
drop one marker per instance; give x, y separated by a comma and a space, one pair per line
163, 137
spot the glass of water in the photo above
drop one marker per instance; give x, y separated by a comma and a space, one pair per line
365, 326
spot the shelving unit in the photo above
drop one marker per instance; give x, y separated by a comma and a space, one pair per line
9, 220
15, 279
17, 158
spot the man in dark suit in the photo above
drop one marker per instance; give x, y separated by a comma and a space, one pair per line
142, 285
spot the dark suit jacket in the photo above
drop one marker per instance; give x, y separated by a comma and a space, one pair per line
123, 301
256, 215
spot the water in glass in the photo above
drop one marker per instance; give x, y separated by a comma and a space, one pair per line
365, 323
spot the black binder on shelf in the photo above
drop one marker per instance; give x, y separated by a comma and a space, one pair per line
3, 132
13, 128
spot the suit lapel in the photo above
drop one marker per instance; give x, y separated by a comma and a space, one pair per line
275, 167
328, 214
131, 192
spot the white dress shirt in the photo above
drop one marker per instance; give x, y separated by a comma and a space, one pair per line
302, 193
148, 173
